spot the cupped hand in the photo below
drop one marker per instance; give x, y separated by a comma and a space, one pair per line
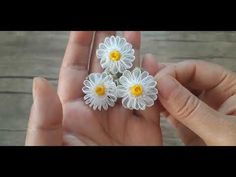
64, 119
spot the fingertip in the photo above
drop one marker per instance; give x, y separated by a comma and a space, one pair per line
45, 121
41, 88
149, 55
150, 64
166, 86
44, 94
81, 37
134, 37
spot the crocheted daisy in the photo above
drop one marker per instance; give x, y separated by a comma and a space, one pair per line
100, 91
115, 54
137, 89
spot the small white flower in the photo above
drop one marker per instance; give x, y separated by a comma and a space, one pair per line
100, 91
115, 54
137, 89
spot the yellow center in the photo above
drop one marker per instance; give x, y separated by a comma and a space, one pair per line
100, 90
115, 55
136, 90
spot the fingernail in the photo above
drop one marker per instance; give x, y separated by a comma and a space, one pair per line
34, 88
166, 85
148, 55
158, 76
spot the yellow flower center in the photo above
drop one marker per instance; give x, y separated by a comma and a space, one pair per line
136, 90
100, 90
115, 55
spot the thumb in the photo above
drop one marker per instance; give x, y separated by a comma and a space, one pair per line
188, 109
45, 122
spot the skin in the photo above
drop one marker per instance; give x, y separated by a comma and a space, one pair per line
197, 97
62, 118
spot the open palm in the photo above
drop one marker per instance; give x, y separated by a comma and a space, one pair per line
81, 125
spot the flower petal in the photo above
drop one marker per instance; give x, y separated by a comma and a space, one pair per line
107, 43
144, 75
125, 101
86, 89
105, 106
127, 74
126, 48
124, 80
92, 77
121, 91
113, 41
148, 101
136, 74
142, 105
87, 83
121, 42
100, 53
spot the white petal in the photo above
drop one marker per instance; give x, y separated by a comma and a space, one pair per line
118, 66
117, 42
99, 107
126, 48
136, 105
88, 101
87, 83
100, 53
123, 80
128, 52
142, 107
147, 79
131, 103
127, 64
151, 84
110, 102
136, 74
128, 57
125, 101
151, 91
102, 46
122, 67
105, 106
87, 96
112, 97
141, 104
121, 42
121, 91
113, 41
144, 75
95, 107
127, 74
113, 68
86, 89
92, 77
111, 90
103, 75
104, 63
91, 104
148, 101
107, 42
154, 96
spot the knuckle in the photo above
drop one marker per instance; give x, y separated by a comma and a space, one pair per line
189, 106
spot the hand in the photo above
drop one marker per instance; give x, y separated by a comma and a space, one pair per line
66, 120
199, 98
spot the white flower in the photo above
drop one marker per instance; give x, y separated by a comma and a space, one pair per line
137, 89
100, 91
115, 54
